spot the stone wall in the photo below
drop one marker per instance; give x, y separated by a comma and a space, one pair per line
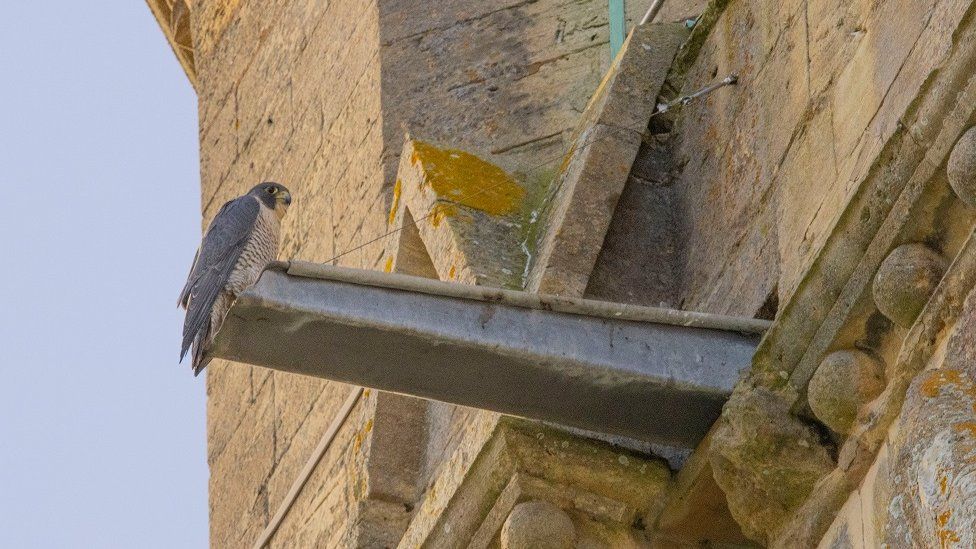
820, 186
289, 92
505, 79
318, 96
823, 86
815, 192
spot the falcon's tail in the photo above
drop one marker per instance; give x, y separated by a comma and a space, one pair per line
184, 299
200, 358
184, 349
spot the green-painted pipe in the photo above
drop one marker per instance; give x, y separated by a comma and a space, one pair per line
618, 26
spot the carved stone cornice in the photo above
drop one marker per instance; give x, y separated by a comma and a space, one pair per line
903, 204
173, 17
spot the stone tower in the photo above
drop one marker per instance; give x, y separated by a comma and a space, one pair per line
497, 143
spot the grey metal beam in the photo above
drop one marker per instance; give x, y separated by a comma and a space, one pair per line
645, 373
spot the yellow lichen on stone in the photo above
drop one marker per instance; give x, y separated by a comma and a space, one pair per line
966, 427
465, 179
938, 380
388, 267
947, 537
397, 188
361, 436
440, 211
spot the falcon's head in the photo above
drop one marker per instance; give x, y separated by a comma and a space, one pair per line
274, 196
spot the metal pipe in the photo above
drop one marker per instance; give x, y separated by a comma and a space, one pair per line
656, 6
645, 373
685, 100
296, 487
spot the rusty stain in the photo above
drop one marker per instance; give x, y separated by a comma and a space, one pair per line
943, 484
465, 179
567, 159
369, 426
451, 274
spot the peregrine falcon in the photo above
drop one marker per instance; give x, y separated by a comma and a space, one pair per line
240, 242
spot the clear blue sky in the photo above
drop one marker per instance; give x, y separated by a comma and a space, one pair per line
102, 433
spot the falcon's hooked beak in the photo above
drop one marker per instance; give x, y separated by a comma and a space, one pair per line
282, 201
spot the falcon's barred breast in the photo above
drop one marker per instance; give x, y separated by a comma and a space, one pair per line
240, 242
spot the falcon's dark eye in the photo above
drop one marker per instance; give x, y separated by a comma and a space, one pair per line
271, 190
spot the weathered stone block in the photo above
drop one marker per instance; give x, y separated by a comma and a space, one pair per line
765, 460
468, 212
238, 495
580, 213
734, 141
695, 494
596, 169
503, 79
516, 461
843, 383
926, 483
846, 531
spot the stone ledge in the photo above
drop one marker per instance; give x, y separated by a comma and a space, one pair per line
468, 212
575, 220
593, 482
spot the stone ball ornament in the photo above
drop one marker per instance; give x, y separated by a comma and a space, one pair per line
844, 382
961, 169
905, 281
538, 525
